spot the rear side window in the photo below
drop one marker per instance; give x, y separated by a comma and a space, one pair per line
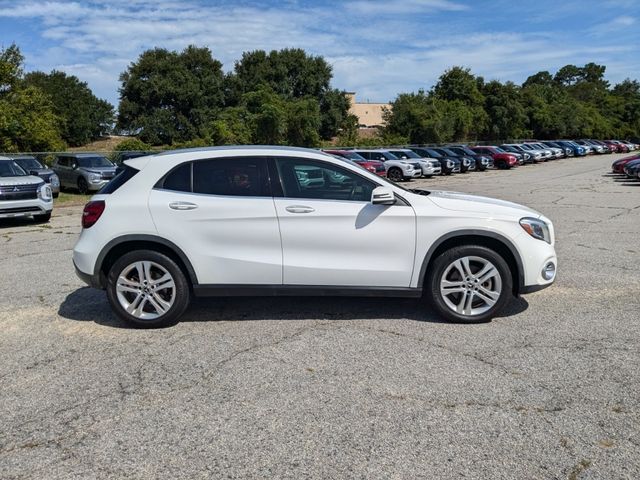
245, 177
179, 180
123, 177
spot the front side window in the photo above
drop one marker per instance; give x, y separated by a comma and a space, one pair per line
302, 178
94, 162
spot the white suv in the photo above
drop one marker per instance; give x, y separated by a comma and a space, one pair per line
397, 169
23, 195
240, 221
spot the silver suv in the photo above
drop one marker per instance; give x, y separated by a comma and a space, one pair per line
86, 172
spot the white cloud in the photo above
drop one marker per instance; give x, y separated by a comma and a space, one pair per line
377, 48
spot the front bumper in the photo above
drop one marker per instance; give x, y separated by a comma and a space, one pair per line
24, 208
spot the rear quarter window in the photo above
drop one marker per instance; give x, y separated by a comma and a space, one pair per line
123, 177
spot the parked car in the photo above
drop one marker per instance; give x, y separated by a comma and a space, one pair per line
566, 151
467, 164
397, 170
189, 224
556, 153
86, 172
374, 166
32, 166
429, 166
483, 162
632, 168
501, 159
614, 147
591, 149
22, 194
578, 150
448, 163
604, 145
618, 165
527, 155
545, 153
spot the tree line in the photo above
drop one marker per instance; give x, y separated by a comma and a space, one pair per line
576, 102
285, 97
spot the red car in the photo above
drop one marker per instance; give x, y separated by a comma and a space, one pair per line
374, 166
501, 158
613, 147
618, 165
622, 148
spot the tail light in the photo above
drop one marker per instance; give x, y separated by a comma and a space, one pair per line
92, 212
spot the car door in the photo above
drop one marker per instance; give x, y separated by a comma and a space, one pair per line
331, 233
221, 213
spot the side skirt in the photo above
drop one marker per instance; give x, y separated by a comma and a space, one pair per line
303, 291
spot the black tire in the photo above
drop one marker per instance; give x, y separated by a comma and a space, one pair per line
395, 174
83, 187
438, 269
182, 289
44, 218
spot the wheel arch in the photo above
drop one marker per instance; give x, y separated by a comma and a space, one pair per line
127, 243
489, 239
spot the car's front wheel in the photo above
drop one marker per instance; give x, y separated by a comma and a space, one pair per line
469, 284
395, 174
83, 187
148, 289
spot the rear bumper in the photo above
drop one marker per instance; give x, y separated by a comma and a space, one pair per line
91, 280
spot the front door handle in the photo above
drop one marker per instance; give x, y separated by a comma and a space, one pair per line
299, 209
182, 206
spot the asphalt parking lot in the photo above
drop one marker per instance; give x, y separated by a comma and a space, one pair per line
336, 388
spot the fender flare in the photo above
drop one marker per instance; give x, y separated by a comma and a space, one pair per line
145, 238
477, 233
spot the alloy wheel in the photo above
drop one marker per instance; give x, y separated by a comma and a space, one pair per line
145, 290
471, 285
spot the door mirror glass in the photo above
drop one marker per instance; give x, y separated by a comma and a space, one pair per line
383, 196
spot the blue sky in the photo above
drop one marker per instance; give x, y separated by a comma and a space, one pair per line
376, 48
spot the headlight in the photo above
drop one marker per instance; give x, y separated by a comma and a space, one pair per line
54, 180
371, 169
94, 177
449, 164
44, 192
536, 228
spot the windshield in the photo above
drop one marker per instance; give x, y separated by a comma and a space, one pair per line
390, 156
9, 168
499, 150
466, 150
434, 154
407, 154
354, 156
28, 163
450, 152
93, 162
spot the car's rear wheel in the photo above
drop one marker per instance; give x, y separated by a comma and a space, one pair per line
148, 289
469, 284
395, 174
83, 187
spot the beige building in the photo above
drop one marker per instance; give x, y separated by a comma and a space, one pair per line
369, 114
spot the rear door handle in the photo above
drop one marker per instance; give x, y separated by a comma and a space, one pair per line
299, 209
182, 206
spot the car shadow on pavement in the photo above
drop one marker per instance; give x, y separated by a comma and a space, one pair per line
91, 305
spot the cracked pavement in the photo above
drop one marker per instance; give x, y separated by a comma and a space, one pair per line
335, 388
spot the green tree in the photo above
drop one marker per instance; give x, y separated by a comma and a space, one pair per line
232, 127
84, 117
27, 120
303, 122
459, 84
169, 96
506, 115
268, 116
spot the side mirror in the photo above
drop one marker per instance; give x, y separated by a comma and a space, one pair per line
383, 196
